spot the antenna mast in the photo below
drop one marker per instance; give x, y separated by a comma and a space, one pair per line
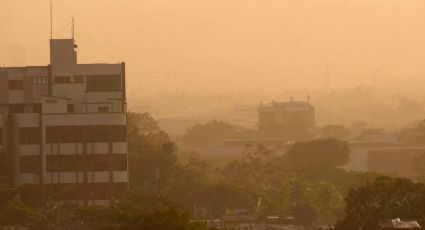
72, 29
51, 20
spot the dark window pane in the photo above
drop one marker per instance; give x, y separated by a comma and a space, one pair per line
62, 79
16, 84
70, 108
29, 136
103, 109
90, 134
29, 164
103, 83
39, 80
16, 108
36, 108
74, 163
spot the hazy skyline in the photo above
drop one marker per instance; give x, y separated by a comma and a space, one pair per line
217, 45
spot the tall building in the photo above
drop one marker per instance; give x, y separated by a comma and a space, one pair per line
293, 120
63, 128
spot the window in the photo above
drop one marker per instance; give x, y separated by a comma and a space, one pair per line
36, 108
70, 108
103, 83
119, 133
79, 79
39, 80
62, 79
29, 164
72, 163
90, 134
103, 109
29, 136
16, 108
16, 84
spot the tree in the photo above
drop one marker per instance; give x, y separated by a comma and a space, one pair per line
142, 210
383, 198
334, 132
414, 135
201, 135
151, 153
64, 216
309, 200
418, 165
305, 215
13, 212
318, 154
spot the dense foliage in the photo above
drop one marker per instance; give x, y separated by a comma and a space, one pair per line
306, 183
201, 135
384, 198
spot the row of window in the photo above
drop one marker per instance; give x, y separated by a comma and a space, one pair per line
36, 108
16, 84
71, 192
67, 79
40, 80
95, 83
74, 134
98, 83
82, 134
22, 108
78, 163
74, 163
19, 84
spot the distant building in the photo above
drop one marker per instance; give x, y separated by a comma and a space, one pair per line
63, 128
385, 158
281, 223
398, 224
235, 219
293, 120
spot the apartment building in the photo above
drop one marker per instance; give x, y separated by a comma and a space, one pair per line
63, 128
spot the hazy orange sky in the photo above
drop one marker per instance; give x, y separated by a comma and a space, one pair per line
216, 45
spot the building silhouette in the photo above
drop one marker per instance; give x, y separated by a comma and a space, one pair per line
292, 121
63, 128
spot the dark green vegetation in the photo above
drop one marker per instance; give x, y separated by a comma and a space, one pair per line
308, 177
136, 210
414, 135
201, 135
383, 198
306, 183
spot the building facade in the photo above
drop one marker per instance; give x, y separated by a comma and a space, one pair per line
63, 128
292, 121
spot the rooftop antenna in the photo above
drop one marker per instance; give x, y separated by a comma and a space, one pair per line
72, 29
51, 20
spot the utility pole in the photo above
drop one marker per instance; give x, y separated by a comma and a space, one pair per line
159, 181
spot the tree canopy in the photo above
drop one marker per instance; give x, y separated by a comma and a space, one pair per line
384, 198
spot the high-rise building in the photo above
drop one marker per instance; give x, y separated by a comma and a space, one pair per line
293, 120
63, 128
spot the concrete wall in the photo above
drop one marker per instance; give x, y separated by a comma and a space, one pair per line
54, 105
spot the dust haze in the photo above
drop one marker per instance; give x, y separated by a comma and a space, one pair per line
258, 48
238, 101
